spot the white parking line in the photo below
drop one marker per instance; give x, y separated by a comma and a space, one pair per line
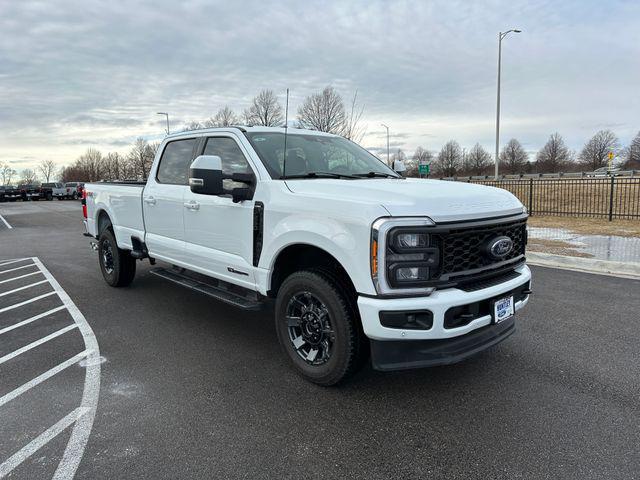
17, 268
23, 288
18, 278
41, 440
41, 378
82, 417
32, 319
26, 302
5, 222
37, 343
15, 260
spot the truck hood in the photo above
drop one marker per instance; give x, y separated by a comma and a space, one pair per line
442, 201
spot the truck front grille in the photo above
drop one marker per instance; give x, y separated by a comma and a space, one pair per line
463, 250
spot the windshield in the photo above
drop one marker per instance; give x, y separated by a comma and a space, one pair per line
315, 155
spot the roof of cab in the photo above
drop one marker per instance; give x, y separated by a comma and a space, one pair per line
258, 129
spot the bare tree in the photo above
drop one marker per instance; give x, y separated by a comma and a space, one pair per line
113, 167
140, 158
28, 176
554, 156
193, 125
477, 160
631, 154
421, 155
353, 129
264, 110
46, 168
513, 158
225, 117
323, 111
7, 173
595, 152
449, 159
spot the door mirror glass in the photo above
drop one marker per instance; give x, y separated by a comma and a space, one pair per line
205, 175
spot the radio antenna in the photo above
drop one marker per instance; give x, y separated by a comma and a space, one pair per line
286, 124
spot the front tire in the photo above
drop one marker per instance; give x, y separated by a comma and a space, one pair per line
317, 328
118, 266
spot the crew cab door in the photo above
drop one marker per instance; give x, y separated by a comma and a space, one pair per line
163, 201
219, 233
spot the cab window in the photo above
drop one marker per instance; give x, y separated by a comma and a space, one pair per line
175, 161
233, 160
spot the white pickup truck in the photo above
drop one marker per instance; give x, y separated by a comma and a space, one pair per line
359, 260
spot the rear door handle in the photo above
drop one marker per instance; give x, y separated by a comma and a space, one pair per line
192, 205
150, 201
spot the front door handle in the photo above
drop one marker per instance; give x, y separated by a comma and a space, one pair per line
150, 201
192, 205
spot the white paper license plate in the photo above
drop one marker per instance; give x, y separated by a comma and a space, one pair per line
503, 309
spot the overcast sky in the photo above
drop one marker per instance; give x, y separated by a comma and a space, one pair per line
81, 74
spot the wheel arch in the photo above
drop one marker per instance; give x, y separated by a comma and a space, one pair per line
304, 256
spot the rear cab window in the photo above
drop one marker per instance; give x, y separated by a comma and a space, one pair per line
175, 161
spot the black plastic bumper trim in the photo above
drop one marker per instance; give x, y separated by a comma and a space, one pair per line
406, 354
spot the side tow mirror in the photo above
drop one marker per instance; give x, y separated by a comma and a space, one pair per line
205, 175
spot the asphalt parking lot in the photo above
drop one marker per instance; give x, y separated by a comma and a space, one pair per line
154, 381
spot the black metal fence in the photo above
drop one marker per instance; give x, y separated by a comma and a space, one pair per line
610, 197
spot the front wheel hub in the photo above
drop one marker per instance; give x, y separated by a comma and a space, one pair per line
309, 328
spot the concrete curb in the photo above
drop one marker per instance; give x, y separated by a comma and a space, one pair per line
589, 265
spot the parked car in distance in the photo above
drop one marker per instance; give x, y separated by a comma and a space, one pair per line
9, 193
35, 192
74, 189
358, 259
57, 188
605, 172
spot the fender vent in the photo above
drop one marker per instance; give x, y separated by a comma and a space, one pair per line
258, 228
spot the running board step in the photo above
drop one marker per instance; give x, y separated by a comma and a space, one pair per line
219, 290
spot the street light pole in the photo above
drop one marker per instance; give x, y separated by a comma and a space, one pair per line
388, 156
501, 35
166, 115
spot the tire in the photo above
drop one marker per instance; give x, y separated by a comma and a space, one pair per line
49, 197
118, 267
74, 196
60, 198
327, 325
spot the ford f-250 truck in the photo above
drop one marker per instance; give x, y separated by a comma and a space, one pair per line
358, 259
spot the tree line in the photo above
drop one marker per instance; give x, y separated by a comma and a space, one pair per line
323, 111
554, 157
326, 111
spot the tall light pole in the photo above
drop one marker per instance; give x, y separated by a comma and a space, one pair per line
388, 157
166, 115
501, 35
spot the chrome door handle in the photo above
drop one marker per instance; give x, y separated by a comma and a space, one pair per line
150, 201
192, 205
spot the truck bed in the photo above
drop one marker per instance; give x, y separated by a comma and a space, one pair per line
123, 201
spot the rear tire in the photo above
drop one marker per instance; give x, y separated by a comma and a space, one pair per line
118, 266
317, 329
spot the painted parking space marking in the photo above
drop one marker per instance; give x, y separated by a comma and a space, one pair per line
41, 378
32, 319
5, 222
26, 302
13, 260
17, 268
80, 420
37, 343
22, 288
19, 277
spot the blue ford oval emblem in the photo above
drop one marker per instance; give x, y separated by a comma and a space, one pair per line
500, 247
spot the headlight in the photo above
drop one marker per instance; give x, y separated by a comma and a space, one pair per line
403, 256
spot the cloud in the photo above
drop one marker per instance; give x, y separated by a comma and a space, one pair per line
72, 76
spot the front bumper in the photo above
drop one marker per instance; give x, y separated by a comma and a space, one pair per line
402, 355
397, 348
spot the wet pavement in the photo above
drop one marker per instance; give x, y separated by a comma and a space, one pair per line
601, 247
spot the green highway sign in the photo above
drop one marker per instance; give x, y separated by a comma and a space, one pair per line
423, 169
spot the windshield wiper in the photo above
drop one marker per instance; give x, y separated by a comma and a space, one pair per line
319, 175
375, 174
